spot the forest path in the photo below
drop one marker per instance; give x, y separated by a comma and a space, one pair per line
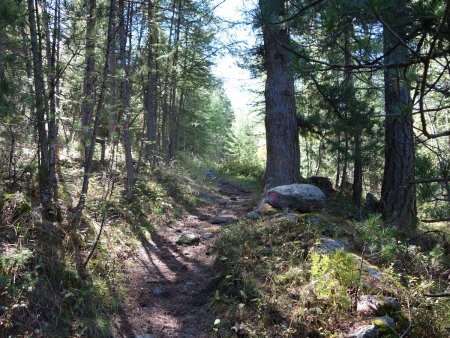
170, 285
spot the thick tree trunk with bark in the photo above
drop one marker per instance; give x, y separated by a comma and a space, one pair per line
397, 194
283, 155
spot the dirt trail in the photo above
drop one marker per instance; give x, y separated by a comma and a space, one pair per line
170, 285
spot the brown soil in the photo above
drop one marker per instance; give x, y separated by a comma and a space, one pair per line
170, 285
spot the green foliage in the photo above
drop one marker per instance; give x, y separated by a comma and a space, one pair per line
245, 169
377, 238
331, 276
16, 281
13, 207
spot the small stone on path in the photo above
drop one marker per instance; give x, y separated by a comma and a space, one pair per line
373, 305
207, 235
187, 238
366, 331
253, 215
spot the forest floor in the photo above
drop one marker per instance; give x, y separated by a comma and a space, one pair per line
170, 285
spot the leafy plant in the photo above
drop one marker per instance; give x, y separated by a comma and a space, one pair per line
380, 239
332, 275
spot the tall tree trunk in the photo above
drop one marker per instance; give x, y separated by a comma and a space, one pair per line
52, 122
344, 179
151, 85
173, 92
41, 110
113, 116
28, 69
338, 162
124, 28
90, 153
283, 154
352, 106
397, 193
87, 105
165, 103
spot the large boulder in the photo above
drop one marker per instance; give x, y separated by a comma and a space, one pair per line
303, 197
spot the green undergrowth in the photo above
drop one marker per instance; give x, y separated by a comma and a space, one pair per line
248, 174
276, 284
41, 293
43, 290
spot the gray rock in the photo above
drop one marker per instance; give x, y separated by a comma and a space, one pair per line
384, 322
303, 197
313, 220
289, 217
371, 270
222, 219
187, 238
253, 215
366, 331
328, 246
146, 335
369, 305
207, 235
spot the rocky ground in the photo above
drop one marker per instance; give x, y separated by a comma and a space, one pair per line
171, 277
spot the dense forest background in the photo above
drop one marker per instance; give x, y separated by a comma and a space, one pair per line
98, 96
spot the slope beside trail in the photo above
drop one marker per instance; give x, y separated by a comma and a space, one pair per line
170, 285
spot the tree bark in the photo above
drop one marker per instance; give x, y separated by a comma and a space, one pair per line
283, 154
40, 110
124, 28
90, 152
52, 122
352, 107
173, 92
87, 105
165, 104
151, 86
344, 178
397, 196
